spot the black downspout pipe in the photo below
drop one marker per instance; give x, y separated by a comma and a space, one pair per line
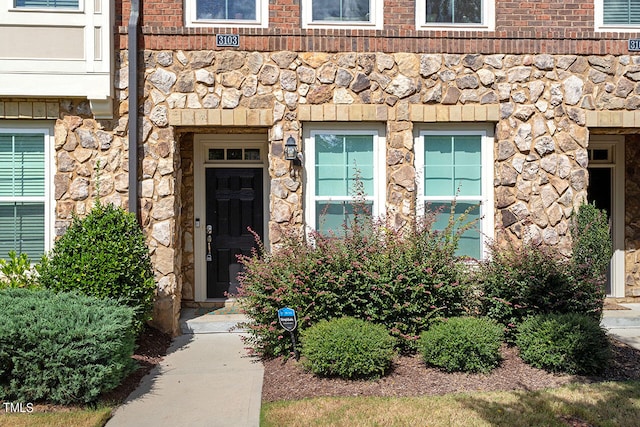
134, 19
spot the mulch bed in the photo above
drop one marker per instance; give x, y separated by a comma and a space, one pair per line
151, 348
409, 376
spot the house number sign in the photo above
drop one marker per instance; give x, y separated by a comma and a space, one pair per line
227, 40
634, 45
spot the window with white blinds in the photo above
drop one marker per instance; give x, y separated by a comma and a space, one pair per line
340, 162
47, 4
621, 12
23, 193
455, 167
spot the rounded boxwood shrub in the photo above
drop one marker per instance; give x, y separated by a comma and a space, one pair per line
103, 255
572, 343
465, 344
348, 348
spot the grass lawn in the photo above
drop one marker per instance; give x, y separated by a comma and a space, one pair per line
601, 404
75, 417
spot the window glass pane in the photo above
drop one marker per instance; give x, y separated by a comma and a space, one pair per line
226, 9
438, 165
621, 12
452, 165
333, 217
341, 10
454, 11
252, 154
469, 243
338, 160
22, 229
216, 154
21, 165
61, 4
467, 161
234, 154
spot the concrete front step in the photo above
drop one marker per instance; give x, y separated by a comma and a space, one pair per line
622, 318
191, 322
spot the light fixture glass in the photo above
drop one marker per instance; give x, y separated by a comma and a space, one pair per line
290, 149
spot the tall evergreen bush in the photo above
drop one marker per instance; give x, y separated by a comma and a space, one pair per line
591, 257
523, 279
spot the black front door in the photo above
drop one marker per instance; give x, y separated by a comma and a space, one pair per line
234, 205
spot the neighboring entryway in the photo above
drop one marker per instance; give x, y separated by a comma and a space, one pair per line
606, 190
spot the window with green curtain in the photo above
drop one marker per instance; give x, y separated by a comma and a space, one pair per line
48, 4
621, 12
453, 173
22, 194
341, 160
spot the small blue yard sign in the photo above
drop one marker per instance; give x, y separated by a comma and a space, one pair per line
287, 319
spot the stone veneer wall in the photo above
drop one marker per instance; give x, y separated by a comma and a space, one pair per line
632, 215
543, 102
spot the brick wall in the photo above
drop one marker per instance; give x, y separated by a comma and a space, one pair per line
545, 26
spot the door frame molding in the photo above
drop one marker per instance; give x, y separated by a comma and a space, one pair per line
201, 144
617, 145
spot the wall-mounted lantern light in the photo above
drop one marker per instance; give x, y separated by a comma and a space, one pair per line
291, 149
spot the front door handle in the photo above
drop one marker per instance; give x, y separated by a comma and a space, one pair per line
209, 239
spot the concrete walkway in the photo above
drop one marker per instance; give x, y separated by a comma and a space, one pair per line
206, 380
624, 324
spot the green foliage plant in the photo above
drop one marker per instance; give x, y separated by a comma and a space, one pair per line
347, 348
591, 256
522, 279
572, 343
399, 277
466, 344
17, 272
104, 255
62, 348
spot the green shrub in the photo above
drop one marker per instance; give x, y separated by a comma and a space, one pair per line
467, 344
17, 272
103, 255
348, 348
62, 348
572, 343
396, 278
591, 255
522, 280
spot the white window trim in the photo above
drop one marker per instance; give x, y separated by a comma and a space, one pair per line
598, 13
12, 8
376, 22
379, 167
49, 203
488, 19
261, 21
487, 227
